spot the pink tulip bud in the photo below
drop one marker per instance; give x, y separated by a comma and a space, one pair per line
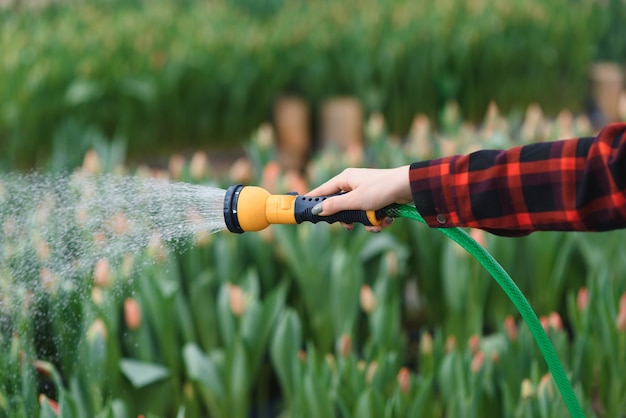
545, 386
510, 327
47, 279
132, 313
53, 405
44, 368
368, 299
479, 236
269, 178
295, 182
119, 223
477, 361
620, 321
176, 165
404, 380
474, 343
345, 345
237, 300
91, 162
622, 302
450, 344
582, 299
555, 321
302, 355
198, 165
102, 273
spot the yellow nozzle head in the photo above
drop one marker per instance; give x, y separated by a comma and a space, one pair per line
244, 208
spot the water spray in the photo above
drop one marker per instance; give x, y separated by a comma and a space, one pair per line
251, 208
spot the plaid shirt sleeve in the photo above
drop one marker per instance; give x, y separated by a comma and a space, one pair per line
570, 185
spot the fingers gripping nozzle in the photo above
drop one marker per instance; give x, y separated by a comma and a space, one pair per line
251, 208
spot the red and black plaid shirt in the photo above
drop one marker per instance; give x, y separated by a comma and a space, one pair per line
571, 185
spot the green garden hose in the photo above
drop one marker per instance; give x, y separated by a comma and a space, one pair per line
517, 297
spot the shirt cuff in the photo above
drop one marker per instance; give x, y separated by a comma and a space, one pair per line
429, 183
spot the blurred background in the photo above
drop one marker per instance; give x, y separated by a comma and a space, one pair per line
285, 94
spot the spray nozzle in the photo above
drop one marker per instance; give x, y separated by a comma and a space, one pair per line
251, 208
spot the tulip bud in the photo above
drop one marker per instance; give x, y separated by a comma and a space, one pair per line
295, 182
47, 279
477, 362
479, 236
119, 223
102, 273
371, 371
555, 321
450, 344
96, 296
53, 405
426, 344
391, 261
474, 343
368, 299
91, 162
582, 299
241, 171
545, 386
132, 313
510, 327
237, 300
344, 346
198, 165
43, 250
44, 368
269, 177
404, 380
176, 165
330, 361
97, 330
620, 321
265, 136
527, 390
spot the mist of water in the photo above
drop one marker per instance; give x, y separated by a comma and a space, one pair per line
56, 228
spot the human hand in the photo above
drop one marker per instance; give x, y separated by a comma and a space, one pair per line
369, 189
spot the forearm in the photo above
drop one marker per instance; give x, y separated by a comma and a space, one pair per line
577, 184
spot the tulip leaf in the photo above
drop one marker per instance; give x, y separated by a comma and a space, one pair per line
204, 370
142, 374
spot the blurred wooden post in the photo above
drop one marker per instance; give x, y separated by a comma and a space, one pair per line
291, 117
607, 81
342, 123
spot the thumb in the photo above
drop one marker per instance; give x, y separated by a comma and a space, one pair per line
332, 205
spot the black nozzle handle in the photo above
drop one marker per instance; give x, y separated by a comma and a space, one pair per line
304, 205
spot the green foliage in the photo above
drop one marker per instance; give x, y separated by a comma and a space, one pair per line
160, 72
277, 323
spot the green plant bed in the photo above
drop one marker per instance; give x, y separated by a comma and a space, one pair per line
166, 74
